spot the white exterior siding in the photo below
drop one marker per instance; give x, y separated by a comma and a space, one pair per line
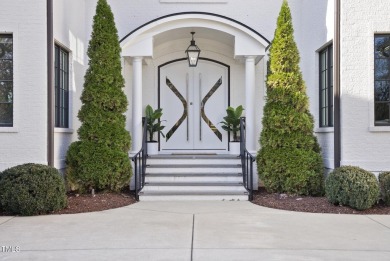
362, 144
311, 22
314, 31
27, 140
70, 33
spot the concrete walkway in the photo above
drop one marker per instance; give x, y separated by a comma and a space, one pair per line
195, 231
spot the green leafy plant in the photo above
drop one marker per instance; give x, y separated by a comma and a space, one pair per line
352, 186
289, 160
100, 159
31, 189
153, 124
231, 122
384, 184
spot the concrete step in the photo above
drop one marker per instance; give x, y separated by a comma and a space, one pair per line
193, 156
160, 166
193, 162
193, 170
151, 178
193, 195
191, 186
193, 177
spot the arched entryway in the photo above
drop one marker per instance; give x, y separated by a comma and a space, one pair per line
221, 39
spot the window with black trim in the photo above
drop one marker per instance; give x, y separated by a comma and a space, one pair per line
61, 68
6, 80
326, 87
382, 79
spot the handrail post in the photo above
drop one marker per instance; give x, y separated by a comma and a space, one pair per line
246, 160
139, 160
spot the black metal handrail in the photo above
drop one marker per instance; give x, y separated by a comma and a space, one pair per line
139, 160
247, 160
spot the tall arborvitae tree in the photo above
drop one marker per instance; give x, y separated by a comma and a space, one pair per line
99, 160
289, 160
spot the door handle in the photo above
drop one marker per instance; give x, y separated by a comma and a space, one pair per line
200, 106
187, 82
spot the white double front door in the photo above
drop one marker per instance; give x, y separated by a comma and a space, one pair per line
194, 102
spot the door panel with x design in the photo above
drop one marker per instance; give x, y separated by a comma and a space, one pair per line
194, 101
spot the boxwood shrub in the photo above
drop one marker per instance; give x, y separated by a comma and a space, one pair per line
31, 189
352, 186
384, 184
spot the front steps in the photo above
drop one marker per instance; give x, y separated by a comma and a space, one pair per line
193, 177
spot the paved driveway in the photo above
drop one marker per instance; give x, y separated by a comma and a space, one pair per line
195, 231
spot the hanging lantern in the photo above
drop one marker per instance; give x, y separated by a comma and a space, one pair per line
193, 53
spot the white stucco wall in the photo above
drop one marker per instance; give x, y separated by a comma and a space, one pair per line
72, 29
314, 29
70, 33
27, 140
362, 144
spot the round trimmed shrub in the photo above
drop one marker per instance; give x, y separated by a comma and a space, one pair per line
384, 184
31, 189
352, 186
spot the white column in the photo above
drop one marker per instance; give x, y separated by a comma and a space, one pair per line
137, 105
250, 103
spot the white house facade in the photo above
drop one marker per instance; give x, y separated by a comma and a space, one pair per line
344, 48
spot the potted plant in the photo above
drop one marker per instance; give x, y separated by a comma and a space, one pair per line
231, 124
153, 125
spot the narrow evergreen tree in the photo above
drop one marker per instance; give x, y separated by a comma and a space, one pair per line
100, 160
289, 160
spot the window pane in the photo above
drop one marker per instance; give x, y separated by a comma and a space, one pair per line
382, 90
6, 70
382, 114
323, 117
382, 46
6, 114
6, 47
6, 94
382, 71
323, 80
323, 61
323, 98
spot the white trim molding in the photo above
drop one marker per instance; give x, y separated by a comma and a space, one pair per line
324, 130
247, 42
379, 129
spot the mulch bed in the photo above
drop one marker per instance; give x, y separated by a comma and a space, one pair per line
98, 202
311, 204
78, 203
103, 201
